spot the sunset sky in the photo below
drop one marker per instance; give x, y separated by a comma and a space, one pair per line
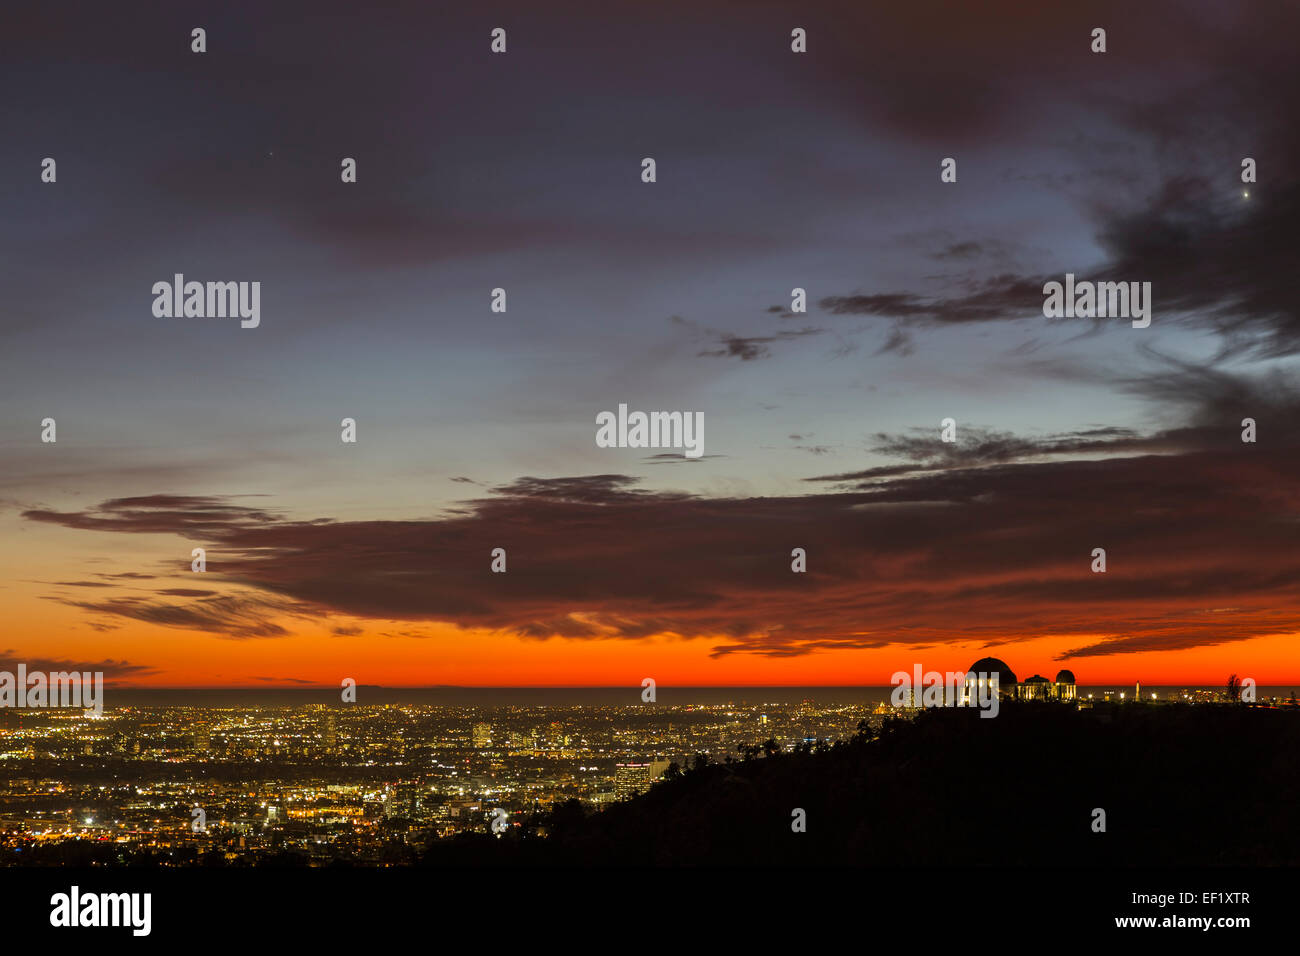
776, 170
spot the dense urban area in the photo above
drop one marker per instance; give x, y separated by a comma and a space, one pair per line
213, 785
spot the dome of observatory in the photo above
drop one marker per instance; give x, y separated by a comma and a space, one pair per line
991, 665
1065, 677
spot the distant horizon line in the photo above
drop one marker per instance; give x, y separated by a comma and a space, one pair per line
638, 687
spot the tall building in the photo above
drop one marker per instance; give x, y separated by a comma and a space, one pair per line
482, 735
401, 801
331, 732
635, 777
630, 779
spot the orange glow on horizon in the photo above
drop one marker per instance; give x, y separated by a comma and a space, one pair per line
48, 619
448, 655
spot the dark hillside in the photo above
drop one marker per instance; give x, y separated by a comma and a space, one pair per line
1179, 784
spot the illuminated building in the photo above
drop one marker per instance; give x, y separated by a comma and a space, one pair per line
990, 669
635, 777
401, 801
1040, 688
631, 779
1032, 688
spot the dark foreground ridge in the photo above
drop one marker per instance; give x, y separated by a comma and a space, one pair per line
1180, 785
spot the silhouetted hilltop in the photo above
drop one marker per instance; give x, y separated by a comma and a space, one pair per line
1179, 785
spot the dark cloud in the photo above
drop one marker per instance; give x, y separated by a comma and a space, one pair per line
899, 341
111, 669
187, 515
588, 489
233, 616
997, 298
668, 458
1161, 188
960, 250
286, 680
1215, 260
747, 348
989, 539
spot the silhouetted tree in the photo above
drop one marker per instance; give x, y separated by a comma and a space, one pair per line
1234, 688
